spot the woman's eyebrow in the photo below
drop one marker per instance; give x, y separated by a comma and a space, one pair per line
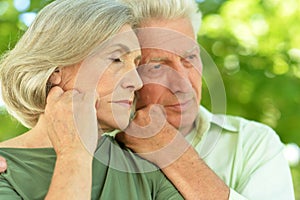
122, 47
109, 48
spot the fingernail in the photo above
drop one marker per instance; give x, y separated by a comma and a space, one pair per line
2, 164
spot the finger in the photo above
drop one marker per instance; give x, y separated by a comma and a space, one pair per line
91, 97
54, 94
156, 109
3, 164
153, 113
154, 123
120, 137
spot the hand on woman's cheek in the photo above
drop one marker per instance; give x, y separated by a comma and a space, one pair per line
71, 121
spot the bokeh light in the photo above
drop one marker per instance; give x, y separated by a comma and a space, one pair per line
292, 154
21, 5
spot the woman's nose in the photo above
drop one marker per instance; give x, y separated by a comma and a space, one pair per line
132, 80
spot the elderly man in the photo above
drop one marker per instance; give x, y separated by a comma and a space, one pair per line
211, 156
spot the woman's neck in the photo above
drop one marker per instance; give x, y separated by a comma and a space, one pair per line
30, 139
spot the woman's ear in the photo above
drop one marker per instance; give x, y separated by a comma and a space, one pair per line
55, 77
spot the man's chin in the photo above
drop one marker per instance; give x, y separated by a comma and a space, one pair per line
184, 125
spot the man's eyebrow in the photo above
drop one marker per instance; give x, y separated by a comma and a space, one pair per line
158, 59
190, 50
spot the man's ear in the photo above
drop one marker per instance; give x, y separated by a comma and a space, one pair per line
55, 77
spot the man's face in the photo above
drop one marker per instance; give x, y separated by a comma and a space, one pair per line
171, 70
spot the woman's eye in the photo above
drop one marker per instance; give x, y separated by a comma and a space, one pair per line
116, 60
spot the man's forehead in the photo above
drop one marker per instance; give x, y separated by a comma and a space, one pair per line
165, 39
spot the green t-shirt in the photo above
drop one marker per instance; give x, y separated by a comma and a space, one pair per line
117, 174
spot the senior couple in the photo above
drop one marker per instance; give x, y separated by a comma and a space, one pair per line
114, 113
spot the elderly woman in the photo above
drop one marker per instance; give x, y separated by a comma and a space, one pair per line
70, 78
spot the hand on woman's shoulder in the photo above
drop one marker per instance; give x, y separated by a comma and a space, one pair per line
3, 164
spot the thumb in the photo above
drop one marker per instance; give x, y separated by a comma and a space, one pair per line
3, 165
54, 94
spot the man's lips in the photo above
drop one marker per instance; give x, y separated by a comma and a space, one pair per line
179, 106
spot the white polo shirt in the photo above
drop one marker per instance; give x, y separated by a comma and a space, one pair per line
246, 155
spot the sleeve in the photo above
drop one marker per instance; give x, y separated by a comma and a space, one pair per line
6, 190
270, 181
266, 173
235, 196
167, 191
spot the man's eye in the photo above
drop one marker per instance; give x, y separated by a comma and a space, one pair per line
191, 57
151, 70
156, 66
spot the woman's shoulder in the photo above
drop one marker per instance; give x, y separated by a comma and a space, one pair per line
110, 153
17, 155
15, 142
17, 149
28, 139
26, 165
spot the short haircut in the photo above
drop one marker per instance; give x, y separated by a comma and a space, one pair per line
145, 10
63, 34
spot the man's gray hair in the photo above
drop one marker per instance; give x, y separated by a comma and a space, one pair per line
144, 10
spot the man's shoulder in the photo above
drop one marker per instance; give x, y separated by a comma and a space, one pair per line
234, 123
244, 129
243, 135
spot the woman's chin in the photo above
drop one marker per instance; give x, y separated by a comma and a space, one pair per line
122, 125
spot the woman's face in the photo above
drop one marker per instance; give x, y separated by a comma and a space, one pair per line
110, 70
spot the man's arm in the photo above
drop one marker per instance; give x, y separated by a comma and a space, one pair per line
194, 179
168, 149
267, 176
187, 171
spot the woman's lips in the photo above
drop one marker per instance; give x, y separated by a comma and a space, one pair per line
125, 103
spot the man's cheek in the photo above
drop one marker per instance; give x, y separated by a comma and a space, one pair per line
148, 95
142, 99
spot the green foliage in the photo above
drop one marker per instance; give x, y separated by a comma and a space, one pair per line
8, 126
296, 179
256, 46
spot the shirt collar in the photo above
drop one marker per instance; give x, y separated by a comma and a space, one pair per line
204, 122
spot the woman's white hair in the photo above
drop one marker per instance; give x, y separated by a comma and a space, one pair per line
63, 34
145, 10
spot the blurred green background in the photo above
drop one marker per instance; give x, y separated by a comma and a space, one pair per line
254, 43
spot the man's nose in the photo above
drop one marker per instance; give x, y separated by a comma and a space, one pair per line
178, 78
